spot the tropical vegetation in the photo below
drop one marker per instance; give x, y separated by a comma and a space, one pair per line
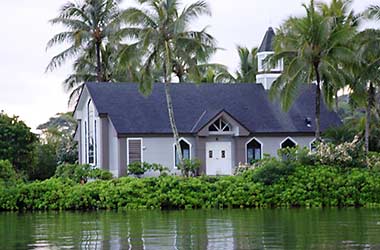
314, 48
154, 42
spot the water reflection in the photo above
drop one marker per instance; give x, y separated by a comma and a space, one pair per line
199, 229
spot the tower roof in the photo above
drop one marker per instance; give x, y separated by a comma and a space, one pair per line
267, 43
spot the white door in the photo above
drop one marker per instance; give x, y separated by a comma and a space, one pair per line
218, 158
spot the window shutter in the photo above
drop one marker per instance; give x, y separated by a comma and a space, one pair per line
134, 151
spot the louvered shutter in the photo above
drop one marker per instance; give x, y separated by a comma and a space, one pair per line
134, 151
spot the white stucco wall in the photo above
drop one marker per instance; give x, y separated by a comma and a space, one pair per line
161, 150
272, 144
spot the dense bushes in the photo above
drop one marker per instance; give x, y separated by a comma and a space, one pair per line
139, 168
81, 173
8, 175
309, 186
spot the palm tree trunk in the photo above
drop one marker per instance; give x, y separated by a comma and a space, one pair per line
169, 104
336, 101
99, 77
368, 116
317, 105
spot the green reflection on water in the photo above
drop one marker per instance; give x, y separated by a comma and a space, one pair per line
193, 229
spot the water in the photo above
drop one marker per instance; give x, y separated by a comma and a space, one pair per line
195, 229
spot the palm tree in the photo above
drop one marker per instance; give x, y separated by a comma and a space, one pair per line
373, 11
168, 44
89, 24
211, 73
310, 46
341, 14
119, 64
366, 79
248, 65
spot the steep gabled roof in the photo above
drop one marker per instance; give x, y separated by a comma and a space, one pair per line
267, 43
195, 105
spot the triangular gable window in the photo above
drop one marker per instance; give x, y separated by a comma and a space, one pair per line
220, 126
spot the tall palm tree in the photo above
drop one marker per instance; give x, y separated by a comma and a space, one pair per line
342, 15
163, 33
89, 26
365, 71
248, 65
310, 46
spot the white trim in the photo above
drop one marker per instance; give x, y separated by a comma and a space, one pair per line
290, 138
221, 133
180, 139
90, 103
141, 148
261, 148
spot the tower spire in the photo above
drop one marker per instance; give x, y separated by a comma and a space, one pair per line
266, 73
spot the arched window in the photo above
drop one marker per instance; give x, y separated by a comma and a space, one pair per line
313, 145
220, 126
288, 143
186, 151
91, 138
254, 150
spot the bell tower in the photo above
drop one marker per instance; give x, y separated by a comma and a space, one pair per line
266, 74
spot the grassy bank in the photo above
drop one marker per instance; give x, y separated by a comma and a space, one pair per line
305, 186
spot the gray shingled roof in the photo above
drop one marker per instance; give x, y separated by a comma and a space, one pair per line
267, 43
195, 105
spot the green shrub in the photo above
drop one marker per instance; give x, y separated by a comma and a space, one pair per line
140, 168
100, 174
271, 170
301, 186
189, 167
8, 175
81, 173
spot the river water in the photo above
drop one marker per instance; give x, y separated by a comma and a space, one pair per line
193, 229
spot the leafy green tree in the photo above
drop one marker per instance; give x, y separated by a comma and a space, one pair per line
58, 132
310, 46
163, 34
89, 26
45, 162
248, 65
16, 142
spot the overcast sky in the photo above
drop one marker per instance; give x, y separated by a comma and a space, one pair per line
27, 91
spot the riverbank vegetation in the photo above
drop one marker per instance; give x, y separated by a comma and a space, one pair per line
329, 47
297, 178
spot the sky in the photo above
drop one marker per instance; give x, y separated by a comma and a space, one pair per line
34, 95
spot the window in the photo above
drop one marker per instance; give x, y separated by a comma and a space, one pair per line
210, 154
254, 150
288, 143
85, 142
91, 134
223, 154
313, 145
134, 150
220, 126
185, 148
